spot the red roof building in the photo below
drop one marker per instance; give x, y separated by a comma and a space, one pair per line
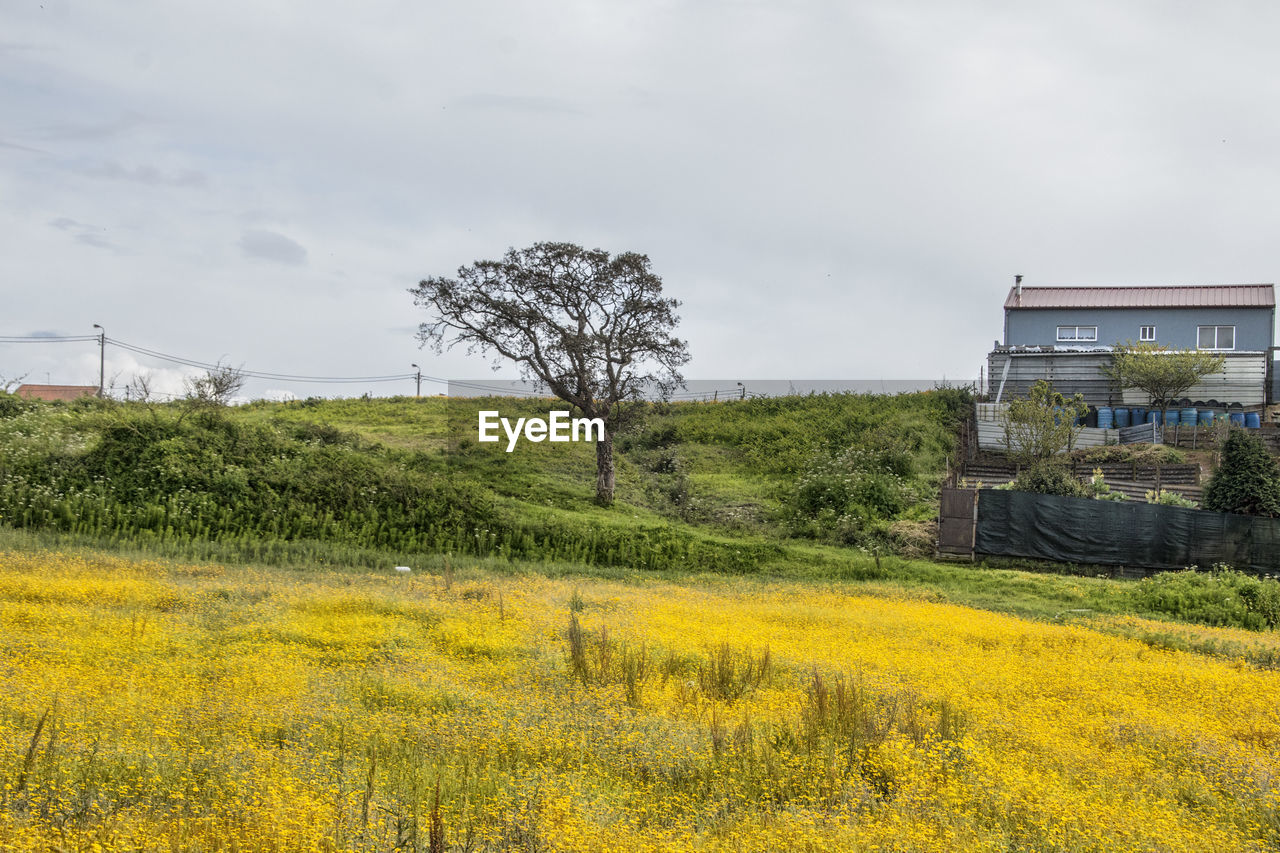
1200, 296
56, 392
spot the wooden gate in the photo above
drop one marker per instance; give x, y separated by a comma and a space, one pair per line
957, 523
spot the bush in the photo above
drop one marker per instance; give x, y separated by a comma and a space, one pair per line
1220, 597
1247, 480
838, 496
1048, 478
1164, 497
11, 405
1038, 428
1098, 489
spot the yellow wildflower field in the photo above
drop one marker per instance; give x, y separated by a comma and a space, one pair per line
150, 706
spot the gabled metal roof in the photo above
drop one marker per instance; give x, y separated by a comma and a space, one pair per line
56, 392
1206, 296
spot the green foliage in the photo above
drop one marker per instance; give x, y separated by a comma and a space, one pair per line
1043, 425
11, 405
1163, 373
838, 496
159, 477
1219, 597
1247, 480
1098, 489
1049, 478
1164, 497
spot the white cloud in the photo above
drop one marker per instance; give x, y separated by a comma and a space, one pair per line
271, 246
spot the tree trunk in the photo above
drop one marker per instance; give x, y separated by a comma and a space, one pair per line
604, 470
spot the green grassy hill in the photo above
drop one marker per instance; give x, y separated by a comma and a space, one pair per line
724, 487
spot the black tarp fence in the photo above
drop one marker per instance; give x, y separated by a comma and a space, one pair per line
1128, 533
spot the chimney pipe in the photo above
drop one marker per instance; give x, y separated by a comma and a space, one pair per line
1017, 290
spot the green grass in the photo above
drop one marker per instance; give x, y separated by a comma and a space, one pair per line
1034, 595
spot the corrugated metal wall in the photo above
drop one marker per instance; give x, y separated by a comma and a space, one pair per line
990, 423
1243, 379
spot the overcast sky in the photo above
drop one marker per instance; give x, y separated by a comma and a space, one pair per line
832, 189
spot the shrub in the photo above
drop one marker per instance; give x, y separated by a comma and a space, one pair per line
1098, 489
1247, 480
1164, 497
839, 495
11, 405
1222, 596
1048, 478
1043, 425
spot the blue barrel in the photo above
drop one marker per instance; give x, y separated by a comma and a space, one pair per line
1105, 415
1122, 417
1153, 416
1170, 417
1206, 417
1237, 418
1138, 415
1190, 416
1252, 420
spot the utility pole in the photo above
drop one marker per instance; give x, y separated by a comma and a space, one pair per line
102, 358
418, 377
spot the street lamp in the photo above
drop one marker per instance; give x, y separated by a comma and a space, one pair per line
102, 358
418, 377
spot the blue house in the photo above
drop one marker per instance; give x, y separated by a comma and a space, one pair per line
1223, 318
1065, 335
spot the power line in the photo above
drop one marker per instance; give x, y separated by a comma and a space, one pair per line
258, 374
46, 339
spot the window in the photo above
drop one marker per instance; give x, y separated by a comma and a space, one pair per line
1146, 333
1077, 333
1216, 337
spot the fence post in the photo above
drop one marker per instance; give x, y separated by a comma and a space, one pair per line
973, 536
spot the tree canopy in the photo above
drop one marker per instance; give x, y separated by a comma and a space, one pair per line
1163, 373
1247, 480
592, 328
1043, 425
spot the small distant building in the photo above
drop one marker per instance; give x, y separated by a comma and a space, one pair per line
1066, 334
56, 392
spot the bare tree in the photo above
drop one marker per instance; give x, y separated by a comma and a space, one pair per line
7, 385
592, 328
215, 387
139, 388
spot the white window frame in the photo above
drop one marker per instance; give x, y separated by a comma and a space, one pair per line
1144, 337
1077, 338
1216, 332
